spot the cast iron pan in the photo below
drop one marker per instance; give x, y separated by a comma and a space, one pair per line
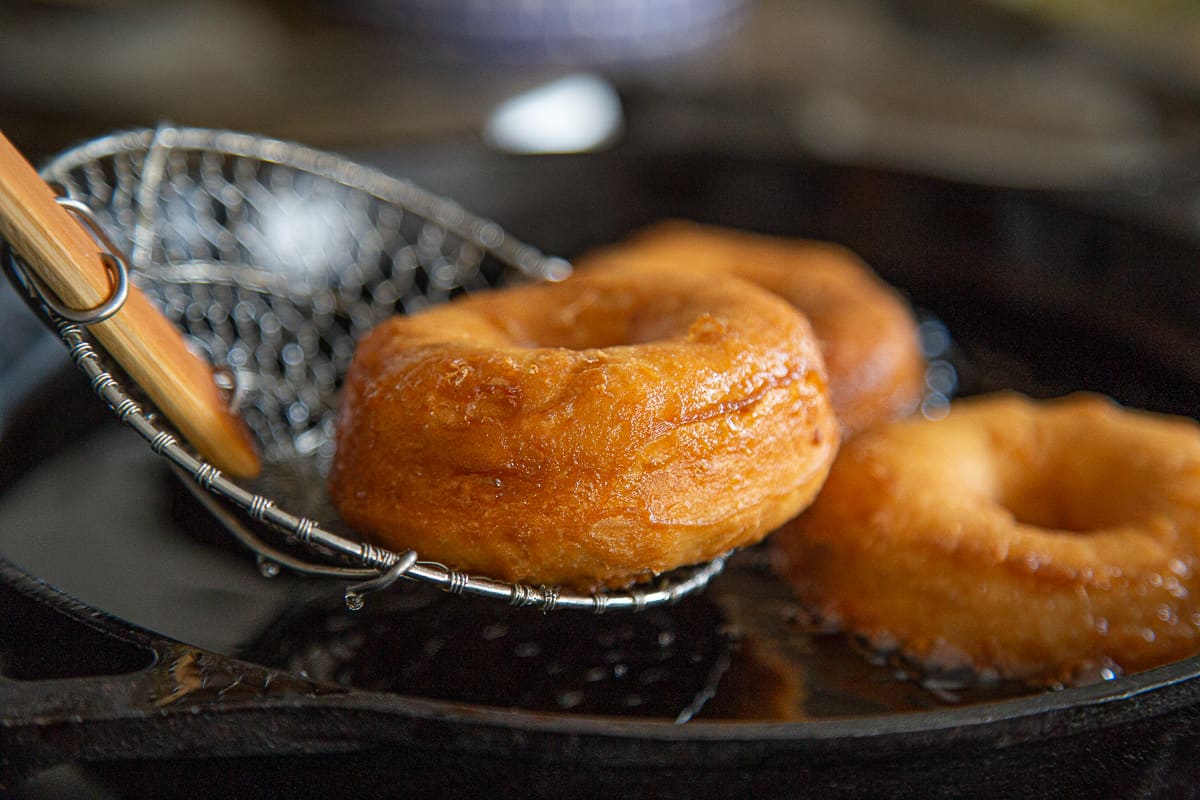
168, 660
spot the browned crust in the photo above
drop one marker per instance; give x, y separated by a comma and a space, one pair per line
591, 432
867, 332
1033, 539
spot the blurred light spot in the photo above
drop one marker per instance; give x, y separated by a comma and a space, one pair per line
941, 377
305, 237
557, 269
935, 339
574, 114
935, 407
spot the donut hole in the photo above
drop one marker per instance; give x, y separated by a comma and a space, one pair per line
1054, 512
1072, 498
596, 320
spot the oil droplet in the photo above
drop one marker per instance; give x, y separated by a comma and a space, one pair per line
457, 371
568, 699
707, 328
1148, 634
493, 632
527, 650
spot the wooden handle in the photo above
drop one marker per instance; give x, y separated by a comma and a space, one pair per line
142, 340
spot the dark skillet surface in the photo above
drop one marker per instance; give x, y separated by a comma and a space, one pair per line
1038, 296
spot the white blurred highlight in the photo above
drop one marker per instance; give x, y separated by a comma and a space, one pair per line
573, 114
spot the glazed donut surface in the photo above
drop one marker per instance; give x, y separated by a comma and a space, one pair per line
592, 432
1036, 540
867, 332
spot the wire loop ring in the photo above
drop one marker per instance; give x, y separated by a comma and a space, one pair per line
110, 254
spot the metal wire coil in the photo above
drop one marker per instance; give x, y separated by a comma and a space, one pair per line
274, 259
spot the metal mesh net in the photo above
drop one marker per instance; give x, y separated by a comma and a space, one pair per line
275, 259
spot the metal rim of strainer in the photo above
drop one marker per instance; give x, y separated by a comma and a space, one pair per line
232, 504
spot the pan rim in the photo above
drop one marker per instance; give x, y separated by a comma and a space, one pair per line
1087, 708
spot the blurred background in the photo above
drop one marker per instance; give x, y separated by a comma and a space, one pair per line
1036, 93
1098, 99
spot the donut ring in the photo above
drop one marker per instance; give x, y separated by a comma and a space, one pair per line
1041, 541
592, 432
867, 332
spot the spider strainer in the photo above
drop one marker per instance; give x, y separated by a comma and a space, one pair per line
274, 259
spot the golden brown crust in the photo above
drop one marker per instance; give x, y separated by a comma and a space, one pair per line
867, 332
590, 432
1038, 540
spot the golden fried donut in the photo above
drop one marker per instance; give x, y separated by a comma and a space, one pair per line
586, 433
1038, 540
867, 333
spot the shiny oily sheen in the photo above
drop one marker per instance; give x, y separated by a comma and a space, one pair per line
866, 330
1038, 540
588, 433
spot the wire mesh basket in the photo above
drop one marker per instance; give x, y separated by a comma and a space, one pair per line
274, 259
